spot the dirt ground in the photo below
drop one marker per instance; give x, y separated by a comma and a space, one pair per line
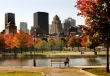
48, 71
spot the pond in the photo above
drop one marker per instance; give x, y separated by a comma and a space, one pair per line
28, 61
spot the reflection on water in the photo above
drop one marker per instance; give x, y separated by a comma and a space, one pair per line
40, 61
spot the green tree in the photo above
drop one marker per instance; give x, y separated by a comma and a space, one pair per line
51, 44
60, 44
77, 41
66, 38
94, 43
42, 44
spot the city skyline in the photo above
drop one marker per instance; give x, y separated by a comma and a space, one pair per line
24, 10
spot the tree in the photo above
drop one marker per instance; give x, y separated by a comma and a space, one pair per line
30, 42
9, 40
77, 42
51, 44
2, 41
37, 40
71, 42
41, 45
60, 43
91, 43
21, 40
66, 38
97, 20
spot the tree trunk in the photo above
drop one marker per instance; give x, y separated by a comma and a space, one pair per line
85, 48
42, 50
78, 49
30, 51
107, 64
15, 52
21, 50
95, 52
72, 48
51, 48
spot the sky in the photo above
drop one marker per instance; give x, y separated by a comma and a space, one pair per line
24, 10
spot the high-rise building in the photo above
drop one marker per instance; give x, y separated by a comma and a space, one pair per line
10, 23
41, 21
56, 27
69, 22
23, 26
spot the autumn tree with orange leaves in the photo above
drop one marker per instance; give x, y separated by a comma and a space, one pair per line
71, 43
97, 20
9, 40
22, 40
91, 43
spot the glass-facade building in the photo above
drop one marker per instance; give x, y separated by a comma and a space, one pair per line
23, 26
41, 20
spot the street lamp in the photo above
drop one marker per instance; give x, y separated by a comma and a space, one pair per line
34, 61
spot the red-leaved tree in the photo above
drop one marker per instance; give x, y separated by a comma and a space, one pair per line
97, 20
9, 40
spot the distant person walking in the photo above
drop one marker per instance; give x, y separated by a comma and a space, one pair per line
66, 61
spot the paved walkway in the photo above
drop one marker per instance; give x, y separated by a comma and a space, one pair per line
48, 71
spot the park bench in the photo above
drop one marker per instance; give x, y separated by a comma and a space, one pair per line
58, 61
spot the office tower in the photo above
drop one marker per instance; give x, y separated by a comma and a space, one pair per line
23, 26
28, 31
69, 22
41, 21
10, 23
56, 27
72, 22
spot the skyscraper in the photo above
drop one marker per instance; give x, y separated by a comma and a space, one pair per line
69, 22
56, 27
10, 23
23, 26
41, 20
9, 17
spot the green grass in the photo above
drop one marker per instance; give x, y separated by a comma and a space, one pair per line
103, 52
98, 71
20, 74
48, 52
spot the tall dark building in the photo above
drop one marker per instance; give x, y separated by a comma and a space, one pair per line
41, 20
9, 17
10, 23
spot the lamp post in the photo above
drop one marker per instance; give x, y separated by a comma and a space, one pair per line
34, 61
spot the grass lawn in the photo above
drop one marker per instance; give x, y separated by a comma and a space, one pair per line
103, 52
98, 71
20, 74
49, 52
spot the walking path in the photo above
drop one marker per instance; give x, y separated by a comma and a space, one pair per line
50, 71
